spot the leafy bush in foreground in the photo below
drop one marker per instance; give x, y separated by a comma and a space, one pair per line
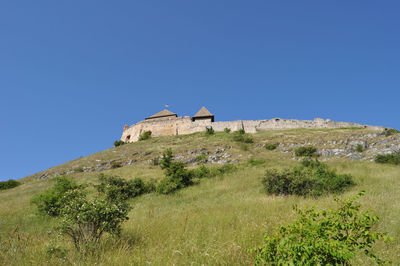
305, 151
9, 184
227, 130
52, 201
322, 237
145, 135
311, 178
84, 219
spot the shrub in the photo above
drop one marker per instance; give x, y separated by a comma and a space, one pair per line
115, 165
118, 143
201, 158
83, 220
271, 147
201, 172
393, 158
52, 201
166, 159
359, 148
166, 186
227, 130
305, 151
116, 189
209, 131
311, 178
390, 132
243, 138
9, 184
329, 237
240, 131
145, 135
86, 220
222, 170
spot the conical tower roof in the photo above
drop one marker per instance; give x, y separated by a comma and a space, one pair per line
203, 112
163, 113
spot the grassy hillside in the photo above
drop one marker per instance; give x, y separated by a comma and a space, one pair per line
213, 222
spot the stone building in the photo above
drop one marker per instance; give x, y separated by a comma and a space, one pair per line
167, 123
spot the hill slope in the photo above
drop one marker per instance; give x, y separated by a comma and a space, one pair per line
214, 222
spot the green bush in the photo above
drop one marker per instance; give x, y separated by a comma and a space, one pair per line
145, 135
390, 132
240, 131
243, 138
311, 178
271, 146
331, 237
359, 148
222, 170
118, 143
116, 189
305, 151
201, 158
209, 131
83, 220
9, 184
166, 159
52, 201
86, 220
227, 130
201, 172
393, 158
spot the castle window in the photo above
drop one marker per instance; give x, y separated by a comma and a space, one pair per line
128, 137
277, 120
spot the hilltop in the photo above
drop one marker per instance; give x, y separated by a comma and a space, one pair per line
217, 220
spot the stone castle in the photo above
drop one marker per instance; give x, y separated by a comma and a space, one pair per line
166, 123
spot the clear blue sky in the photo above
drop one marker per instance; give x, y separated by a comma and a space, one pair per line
72, 73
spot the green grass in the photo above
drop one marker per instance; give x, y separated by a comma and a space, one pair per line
212, 223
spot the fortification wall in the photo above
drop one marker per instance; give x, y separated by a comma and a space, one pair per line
171, 126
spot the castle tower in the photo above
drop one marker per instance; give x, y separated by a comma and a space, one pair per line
163, 114
203, 114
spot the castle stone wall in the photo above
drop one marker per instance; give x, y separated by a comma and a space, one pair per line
170, 126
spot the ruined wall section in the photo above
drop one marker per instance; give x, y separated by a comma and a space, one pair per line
170, 126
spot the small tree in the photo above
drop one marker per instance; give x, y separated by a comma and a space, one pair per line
166, 159
322, 237
85, 221
210, 131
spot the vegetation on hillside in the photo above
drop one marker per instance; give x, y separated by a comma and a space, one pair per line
393, 158
310, 178
214, 221
326, 237
9, 184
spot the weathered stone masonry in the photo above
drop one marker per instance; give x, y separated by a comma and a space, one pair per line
167, 123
